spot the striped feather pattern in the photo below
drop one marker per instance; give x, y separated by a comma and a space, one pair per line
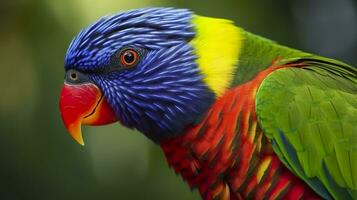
226, 155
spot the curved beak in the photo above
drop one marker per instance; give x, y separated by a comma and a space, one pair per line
83, 104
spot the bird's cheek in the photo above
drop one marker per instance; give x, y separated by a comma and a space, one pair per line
83, 104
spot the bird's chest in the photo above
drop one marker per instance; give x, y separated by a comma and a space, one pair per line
218, 153
226, 155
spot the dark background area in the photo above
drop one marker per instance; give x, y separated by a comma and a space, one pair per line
39, 160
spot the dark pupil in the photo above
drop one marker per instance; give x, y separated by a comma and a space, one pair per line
74, 76
129, 57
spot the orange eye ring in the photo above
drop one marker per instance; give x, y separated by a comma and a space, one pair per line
129, 57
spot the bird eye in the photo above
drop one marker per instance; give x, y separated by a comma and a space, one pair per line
73, 76
129, 57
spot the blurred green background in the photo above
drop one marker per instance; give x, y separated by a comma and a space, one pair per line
38, 158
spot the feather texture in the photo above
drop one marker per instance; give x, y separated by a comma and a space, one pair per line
217, 44
313, 126
166, 91
227, 151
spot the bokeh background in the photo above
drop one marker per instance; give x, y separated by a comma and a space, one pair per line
39, 160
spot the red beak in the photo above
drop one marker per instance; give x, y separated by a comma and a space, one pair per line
84, 104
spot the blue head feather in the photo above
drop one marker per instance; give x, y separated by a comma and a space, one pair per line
165, 92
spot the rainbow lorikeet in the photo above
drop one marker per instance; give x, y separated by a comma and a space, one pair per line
237, 115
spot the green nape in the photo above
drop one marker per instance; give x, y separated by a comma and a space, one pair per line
258, 53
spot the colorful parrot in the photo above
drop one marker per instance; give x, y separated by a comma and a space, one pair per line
237, 115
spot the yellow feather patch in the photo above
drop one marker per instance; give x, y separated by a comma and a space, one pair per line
217, 45
263, 167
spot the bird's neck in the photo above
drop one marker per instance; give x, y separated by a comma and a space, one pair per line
226, 154
217, 45
227, 138
257, 54
227, 55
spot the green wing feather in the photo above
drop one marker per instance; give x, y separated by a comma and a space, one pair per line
310, 116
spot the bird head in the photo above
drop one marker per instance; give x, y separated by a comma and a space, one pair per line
157, 70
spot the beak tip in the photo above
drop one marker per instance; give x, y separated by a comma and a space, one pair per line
76, 132
78, 138
81, 142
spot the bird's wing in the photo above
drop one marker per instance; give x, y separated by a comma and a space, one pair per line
310, 116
